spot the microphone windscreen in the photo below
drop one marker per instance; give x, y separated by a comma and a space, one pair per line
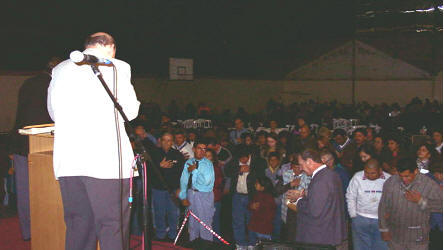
76, 56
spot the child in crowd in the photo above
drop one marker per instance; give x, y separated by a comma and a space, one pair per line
262, 208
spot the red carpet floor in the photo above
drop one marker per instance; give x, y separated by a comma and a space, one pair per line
10, 238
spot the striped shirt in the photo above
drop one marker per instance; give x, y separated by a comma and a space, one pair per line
407, 221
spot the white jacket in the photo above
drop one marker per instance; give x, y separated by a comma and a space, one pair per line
85, 141
363, 195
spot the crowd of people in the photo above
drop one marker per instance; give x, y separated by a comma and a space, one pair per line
376, 190
310, 183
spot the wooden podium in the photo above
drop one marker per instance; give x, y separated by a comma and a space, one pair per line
47, 223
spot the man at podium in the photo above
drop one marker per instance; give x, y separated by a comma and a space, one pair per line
92, 152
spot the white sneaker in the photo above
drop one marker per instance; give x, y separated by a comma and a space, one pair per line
238, 247
251, 247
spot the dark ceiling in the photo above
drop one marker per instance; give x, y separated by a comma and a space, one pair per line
226, 38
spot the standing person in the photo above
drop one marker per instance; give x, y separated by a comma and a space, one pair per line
31, 110
436, 218
274, 174
235, 135
393, 144
196, 191
292, 178
381, 151
182, 145
340, 141
223, 154
328, 159
407, 200
217, 189
243, 171
304, 140
273, 145
262, 209
437, 140
170, 163
363, 196
426, 155
94, 184
320, 212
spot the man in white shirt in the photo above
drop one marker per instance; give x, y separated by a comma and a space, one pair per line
363, 196
182, 145
93, 168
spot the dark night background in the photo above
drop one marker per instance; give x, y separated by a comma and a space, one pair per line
226, 38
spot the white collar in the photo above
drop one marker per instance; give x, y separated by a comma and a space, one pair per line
439, 147
317, 170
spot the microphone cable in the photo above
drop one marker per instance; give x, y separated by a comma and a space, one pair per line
119, 150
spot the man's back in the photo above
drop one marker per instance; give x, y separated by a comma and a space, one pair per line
85, 142
321, 214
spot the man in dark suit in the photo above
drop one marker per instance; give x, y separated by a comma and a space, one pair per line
243, 171
320, 209
31, 110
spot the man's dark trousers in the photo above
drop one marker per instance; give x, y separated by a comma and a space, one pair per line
93, 209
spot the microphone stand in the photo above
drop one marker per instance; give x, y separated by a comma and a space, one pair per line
140, 148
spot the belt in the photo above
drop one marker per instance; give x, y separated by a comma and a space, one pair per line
240, 194
195, 190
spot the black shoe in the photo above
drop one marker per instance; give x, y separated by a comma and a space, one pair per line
189, 244
160, 239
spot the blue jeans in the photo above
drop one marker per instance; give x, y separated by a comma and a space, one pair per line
241, 217
277, 223
165, 211
216, 219
255, 237
366, 235
202, 205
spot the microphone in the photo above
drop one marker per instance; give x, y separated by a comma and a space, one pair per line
81, 58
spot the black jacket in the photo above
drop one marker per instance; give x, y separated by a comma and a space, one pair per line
31, 110
257, 168
171, 175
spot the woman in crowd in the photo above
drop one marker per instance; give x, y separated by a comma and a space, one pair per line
393, 144
284, 139
273, 145
217, 189
426, 155
324, 143
381, 151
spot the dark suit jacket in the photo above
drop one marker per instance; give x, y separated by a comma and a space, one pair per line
257, 168
31, 109
321, 214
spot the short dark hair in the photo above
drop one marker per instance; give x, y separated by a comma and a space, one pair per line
102, 39
267, 184
242, 150
179, 132
311, 154
245, 135
360, 130
274, 154
394, 138
261, 133
368, 149
198, 141
212, 140
406, 164
339, 131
